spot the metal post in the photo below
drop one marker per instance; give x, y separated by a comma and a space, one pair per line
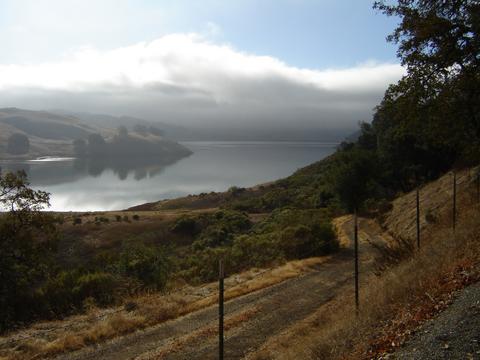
454, 211
355, 236
418, 217
221, 276
478, 186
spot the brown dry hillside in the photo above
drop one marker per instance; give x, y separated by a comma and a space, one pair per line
435, 197
396, 302
49, 134
302, 310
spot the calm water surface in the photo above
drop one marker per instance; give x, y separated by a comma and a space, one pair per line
214, 166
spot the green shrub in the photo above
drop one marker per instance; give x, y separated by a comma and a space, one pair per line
150, 265
248, 251
97, 285
185, 226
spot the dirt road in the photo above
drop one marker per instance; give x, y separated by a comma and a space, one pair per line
250, 319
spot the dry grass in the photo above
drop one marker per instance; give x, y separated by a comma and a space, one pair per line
116, 325
150, 309
263, 280
177, 344
388, 302
391, 304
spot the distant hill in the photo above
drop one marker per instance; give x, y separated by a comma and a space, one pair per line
53, 134
113, 122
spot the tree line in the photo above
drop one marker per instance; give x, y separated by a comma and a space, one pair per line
429, 121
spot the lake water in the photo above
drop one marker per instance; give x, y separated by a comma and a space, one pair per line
214, 166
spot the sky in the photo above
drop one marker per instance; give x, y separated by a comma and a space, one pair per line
231, 63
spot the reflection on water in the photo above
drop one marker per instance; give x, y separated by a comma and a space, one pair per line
140, 168
100, 184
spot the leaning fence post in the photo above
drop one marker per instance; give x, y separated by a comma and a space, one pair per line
355, 237
478, 185
454, 211
418, 217
221, 276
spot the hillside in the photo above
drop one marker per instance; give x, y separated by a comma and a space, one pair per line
112, 122
49, 134
277, 312
52, 135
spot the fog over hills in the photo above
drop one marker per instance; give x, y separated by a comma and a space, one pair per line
211, 89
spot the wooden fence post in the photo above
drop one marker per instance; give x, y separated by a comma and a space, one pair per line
454, 211
355, 236
478, 185
221, 276
418, 217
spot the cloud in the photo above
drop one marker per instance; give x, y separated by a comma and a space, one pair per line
188, 79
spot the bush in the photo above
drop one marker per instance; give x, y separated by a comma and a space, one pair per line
68, 291
136, 217
185, 226
249, 251
150, 265
77, 221
118, 218
98, 285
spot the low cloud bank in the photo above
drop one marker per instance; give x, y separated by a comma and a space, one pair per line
188, 80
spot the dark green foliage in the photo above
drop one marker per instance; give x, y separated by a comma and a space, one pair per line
219, 228
185, 226
18, 144
118, 218
150, 265
354, 178
299, 233
136, 217
66, 292
99, 286
254, 250
77, 221
27, 241
285, 234
235, 191
430, 120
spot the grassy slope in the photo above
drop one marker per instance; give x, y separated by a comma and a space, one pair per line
396, 292
52, 134
412, 289
298, 190
40, 145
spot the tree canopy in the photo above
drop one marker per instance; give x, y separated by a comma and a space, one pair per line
430, 119
26, 242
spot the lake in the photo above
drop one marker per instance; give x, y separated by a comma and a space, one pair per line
77, 185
